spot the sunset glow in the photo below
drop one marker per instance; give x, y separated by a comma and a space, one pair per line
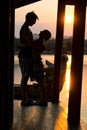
69, 14
46, 11
68, 19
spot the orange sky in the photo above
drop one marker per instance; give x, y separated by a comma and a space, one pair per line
47, 12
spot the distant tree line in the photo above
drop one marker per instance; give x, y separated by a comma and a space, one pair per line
16, 43
50, 45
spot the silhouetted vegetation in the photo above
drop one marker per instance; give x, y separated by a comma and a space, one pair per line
16, 43
50, 45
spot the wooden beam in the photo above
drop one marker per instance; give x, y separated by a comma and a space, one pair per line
70, 2
58, 49
11, 58
73, 2
5, 65
20, 3
77, 63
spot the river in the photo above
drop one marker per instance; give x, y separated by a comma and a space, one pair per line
65, 91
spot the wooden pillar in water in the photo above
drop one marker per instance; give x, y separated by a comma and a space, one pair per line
58, 48
6, 70
77, 63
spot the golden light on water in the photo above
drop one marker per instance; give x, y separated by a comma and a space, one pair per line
68, 73
69, 62
67, 79
66, 86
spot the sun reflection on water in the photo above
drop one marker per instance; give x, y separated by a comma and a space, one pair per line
64, 94
68, 72
68, 75
69, 62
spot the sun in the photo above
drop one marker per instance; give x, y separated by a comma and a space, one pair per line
68, 19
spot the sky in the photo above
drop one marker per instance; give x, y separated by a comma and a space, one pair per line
47, 13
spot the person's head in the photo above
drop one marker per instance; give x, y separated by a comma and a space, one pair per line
45, 34
31, 18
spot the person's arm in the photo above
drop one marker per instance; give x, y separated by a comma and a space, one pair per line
37, 46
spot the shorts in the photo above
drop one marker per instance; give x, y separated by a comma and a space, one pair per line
25, 66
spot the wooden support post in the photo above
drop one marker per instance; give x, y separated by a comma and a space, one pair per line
11, 62
6, 70
77, 63
4, 66
58, 48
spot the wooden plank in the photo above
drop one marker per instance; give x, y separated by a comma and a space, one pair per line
51, 117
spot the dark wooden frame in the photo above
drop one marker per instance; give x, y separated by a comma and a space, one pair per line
77, 57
